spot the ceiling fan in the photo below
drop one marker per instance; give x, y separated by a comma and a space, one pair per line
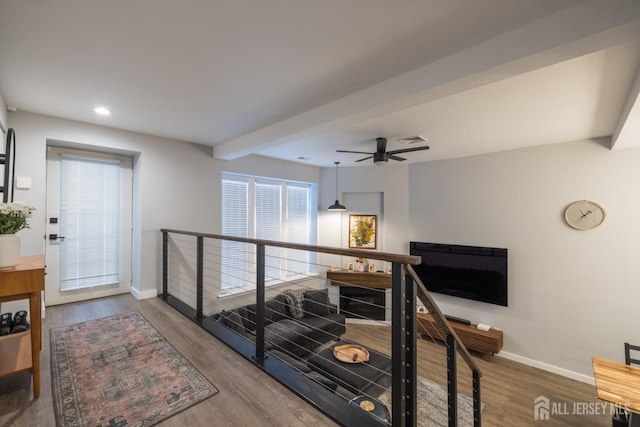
382, 155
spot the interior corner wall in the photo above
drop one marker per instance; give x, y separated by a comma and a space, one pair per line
3, 115
572, 294
173, 185
391, 184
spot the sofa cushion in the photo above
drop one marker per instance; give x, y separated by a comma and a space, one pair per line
288, 336
325, 328
316, 303
372, 378
276, 308
295, 302
233, 321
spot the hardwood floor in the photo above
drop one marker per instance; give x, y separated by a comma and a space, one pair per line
249, 397
508, 388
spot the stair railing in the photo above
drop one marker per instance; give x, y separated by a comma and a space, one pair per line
454, 345
406, 287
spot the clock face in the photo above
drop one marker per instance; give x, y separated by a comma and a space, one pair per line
584, 215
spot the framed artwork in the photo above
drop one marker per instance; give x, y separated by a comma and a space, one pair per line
362, 231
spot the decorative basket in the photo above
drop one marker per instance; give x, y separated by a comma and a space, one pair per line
351, 353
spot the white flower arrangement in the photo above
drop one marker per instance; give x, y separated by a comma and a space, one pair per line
14, 216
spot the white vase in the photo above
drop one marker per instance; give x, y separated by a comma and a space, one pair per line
9, 250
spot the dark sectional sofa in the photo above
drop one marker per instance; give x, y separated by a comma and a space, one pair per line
296, 323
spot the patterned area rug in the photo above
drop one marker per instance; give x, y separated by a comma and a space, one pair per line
119, 371
432, 405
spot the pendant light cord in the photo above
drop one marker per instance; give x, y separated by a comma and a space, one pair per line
337, 163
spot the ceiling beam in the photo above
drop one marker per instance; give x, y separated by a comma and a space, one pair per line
627, 132
588, 27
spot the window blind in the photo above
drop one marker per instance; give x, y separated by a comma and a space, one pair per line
297, 227
90, 222
266, 209
235, 222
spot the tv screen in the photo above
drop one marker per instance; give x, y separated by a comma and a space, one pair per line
472, 272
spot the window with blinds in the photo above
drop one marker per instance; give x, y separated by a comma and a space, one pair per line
90, 222
268, 209
235, 273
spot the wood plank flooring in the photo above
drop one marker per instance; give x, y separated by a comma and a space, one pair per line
249, 397
508, 388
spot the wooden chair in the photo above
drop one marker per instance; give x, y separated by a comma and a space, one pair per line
628, 348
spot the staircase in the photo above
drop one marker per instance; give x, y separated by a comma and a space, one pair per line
8, 163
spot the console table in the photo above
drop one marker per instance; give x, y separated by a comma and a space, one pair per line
25, 281
485, 342
359, 278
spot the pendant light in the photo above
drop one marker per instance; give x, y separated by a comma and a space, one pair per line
337, 207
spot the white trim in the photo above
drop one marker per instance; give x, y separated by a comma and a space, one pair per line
549, 368
152, 293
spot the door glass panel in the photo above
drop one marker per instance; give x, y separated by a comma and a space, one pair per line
89, 222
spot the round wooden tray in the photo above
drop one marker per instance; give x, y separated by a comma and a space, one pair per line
351, 353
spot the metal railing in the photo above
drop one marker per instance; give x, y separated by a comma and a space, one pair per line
192, 266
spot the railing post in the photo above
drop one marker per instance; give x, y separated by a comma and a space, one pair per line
165, 264
199, 275
411, 359
260, 295
477, 402
452, 381
401, 383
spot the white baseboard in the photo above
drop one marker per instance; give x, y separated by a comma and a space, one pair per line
549, 368
144, 294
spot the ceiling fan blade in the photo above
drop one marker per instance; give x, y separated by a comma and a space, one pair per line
356, 152
391, 156
365, 158
408, 150
381, 145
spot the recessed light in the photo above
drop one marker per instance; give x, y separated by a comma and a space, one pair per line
303, 158
102, 111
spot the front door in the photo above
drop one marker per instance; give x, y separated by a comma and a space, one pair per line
88, 247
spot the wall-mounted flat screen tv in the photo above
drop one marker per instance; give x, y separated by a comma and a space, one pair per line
472, 272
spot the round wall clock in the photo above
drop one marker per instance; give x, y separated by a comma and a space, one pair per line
584, 215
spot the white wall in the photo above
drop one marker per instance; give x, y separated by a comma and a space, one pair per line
390, 181
3, 115
169, 176
572, 294
363, 188
176, 184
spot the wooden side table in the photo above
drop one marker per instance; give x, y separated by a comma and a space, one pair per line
25, 281
485, 342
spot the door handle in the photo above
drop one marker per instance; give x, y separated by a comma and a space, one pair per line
55, 237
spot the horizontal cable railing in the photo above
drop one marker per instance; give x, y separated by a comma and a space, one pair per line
270, 301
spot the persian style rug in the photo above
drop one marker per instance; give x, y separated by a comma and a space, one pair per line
432, 405
119, 371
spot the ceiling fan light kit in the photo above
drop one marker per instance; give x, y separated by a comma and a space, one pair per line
381, 154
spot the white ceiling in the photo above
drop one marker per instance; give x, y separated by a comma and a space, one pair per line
302, 78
